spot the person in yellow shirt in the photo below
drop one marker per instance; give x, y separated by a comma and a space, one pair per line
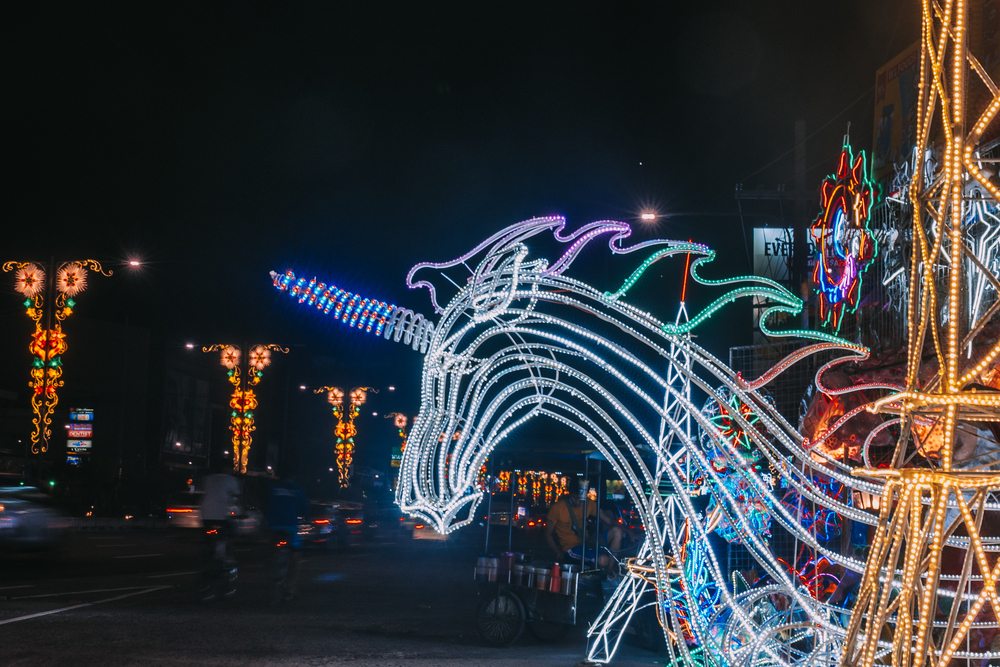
564, 527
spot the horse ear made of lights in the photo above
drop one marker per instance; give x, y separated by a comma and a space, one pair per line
519, 338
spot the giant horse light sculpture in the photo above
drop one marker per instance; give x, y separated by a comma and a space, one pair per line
517, 338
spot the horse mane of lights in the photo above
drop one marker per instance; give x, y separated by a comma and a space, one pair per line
516, 337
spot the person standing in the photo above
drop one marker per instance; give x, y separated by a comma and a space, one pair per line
564, 526
286, 504
218, 509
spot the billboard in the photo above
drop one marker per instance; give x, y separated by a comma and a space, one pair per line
81, 415
79, 435
895, 124
984, 42
79, 431
895, 121
772, 252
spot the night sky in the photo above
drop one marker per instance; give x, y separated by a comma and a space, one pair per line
219, 140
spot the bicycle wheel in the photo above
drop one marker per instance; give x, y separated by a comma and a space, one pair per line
500, 619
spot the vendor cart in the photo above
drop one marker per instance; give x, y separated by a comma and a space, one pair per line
514, 594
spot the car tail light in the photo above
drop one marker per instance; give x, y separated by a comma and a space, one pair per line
353, 522
179, 510
419, 526
531, 524
321, 522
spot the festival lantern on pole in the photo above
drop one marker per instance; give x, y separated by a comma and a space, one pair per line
503, 481
243, 375
401, 422
346, 429
49, 292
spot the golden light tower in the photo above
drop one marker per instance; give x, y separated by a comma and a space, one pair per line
243, 401
50, 293
935, 495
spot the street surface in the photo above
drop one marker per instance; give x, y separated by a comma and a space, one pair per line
129, 597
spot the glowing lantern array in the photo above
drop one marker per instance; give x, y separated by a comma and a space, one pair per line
243, 402
48, 304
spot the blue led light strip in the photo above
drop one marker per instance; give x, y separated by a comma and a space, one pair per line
354, 310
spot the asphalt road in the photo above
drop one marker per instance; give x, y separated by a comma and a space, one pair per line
129, 597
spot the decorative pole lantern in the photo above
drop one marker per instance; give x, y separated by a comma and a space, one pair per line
401, 422
50, 293
345, 430
243, 402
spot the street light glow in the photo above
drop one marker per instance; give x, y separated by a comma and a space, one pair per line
392, 388
189, 346
648, 216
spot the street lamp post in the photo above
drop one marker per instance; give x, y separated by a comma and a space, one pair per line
243, 376
50, 292
345, 430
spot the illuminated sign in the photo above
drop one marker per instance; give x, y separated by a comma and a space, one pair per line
79, 435
80, 431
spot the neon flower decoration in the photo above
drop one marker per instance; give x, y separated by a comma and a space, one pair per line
243, 401
48, 306
29, 280
260, 357
71, 279
844, 243
346, 430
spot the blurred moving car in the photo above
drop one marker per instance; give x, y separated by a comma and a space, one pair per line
27, 522
422, 531
334, 524
185, 513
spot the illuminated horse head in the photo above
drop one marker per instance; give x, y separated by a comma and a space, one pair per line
518, 338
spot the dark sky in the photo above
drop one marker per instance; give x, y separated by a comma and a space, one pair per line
218, 140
